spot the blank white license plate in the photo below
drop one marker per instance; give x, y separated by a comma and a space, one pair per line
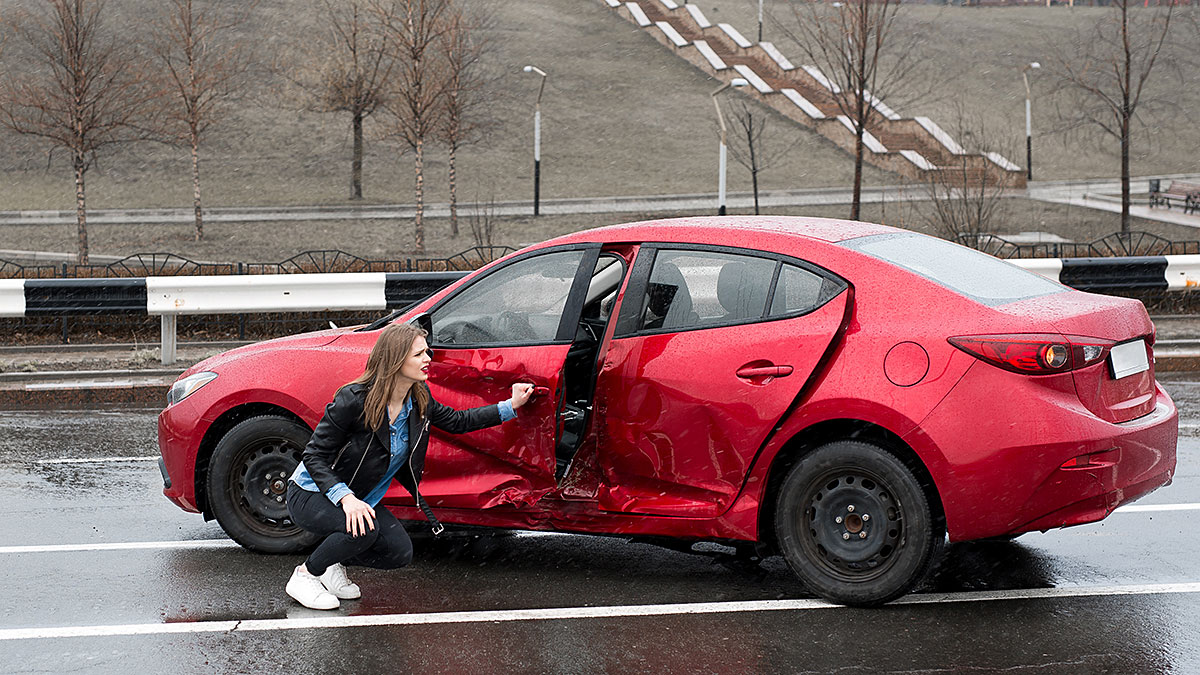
1128, 358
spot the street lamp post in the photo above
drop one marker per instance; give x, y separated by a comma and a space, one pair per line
735, 82
760, 14
1028, 121
537, 138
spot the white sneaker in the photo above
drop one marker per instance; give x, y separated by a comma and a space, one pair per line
309, 591
336, 582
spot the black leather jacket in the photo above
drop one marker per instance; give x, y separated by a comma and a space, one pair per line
343, 450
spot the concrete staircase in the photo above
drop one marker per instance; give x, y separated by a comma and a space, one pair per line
915, 147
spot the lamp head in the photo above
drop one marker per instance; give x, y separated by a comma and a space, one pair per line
1035, 64
738, 82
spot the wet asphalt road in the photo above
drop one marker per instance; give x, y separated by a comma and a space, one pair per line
102, 574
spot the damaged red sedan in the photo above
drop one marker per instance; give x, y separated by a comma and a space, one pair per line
847, 395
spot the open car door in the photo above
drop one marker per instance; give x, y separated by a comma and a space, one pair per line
517, 323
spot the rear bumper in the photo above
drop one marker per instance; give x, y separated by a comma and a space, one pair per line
1058, 466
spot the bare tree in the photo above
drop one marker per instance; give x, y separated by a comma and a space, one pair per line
79, 90
964, 200
467, 90
482, 220
866, 61
346, 69
751, 147
1104, 78
415, 106
202, 68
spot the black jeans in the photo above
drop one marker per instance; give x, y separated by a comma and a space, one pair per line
386, 547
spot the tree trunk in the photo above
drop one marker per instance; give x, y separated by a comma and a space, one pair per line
81, 210
453, 193
858, 166
418, 221
356, 161
196, 185
754, 181
1125, 174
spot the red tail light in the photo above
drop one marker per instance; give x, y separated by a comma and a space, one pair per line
1035, 353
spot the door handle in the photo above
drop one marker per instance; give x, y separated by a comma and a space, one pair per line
765, 371
541, 391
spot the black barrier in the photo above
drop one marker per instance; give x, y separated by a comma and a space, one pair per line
1106, 274
60, 297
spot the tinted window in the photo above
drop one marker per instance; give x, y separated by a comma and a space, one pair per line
797, 290
694, 288
978, 276
521, 303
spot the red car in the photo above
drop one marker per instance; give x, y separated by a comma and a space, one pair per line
842, 393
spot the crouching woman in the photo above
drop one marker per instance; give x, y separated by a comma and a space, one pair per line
376, 430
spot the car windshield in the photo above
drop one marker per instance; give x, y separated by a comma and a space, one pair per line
978, 276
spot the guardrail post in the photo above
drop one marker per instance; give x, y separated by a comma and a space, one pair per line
167, 350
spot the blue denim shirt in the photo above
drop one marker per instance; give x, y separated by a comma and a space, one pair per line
400, 452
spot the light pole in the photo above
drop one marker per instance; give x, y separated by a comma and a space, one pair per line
537, 138
1028, 121
735, 82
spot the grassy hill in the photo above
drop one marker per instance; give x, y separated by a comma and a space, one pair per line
621, 115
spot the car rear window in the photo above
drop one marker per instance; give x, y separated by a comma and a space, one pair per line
965, 271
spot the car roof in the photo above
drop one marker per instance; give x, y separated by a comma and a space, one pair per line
725, 229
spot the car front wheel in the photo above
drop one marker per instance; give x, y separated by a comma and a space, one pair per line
854, 524
247, 484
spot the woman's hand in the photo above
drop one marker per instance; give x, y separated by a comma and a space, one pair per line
359, 515
521, 393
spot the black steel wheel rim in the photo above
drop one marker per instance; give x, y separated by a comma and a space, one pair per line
853, 524
258, 485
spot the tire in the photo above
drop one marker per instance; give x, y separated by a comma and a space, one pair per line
854, 524
247, 484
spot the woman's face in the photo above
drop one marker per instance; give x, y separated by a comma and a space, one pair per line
416, 365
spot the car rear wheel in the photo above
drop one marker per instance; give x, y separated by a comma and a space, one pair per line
854, 524
247, 484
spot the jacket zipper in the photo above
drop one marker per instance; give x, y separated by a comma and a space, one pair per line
361, 460
411, 452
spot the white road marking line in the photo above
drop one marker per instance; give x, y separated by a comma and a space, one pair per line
1132, 508
92, 460
121, 546
562, 613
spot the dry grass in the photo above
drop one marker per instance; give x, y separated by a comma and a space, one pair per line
388, 239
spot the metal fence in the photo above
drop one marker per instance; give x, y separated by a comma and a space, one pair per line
1113, 245
308, 262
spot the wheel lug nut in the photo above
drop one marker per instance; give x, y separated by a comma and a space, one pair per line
845, 535
280, 499
268, 477
838, 520
850, 508
866, 516
266, 492
862, 535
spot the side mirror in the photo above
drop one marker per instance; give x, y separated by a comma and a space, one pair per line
424, 322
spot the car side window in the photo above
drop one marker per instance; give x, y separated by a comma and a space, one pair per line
520, 303
798, 290
691, 289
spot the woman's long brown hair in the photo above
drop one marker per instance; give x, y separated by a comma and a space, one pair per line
383, 368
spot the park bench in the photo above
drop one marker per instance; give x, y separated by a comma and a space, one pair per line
1187, 194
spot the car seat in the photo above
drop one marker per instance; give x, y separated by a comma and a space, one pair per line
742, 290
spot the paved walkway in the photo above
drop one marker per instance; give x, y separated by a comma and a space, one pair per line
1105, 195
